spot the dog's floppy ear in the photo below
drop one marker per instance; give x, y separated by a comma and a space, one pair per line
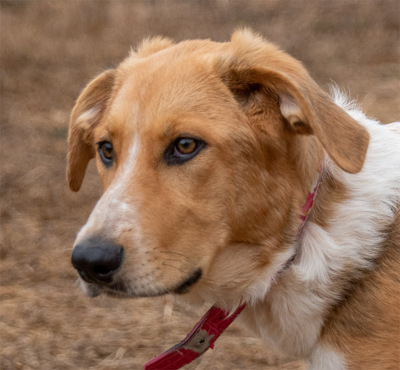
255, 69
85, 116
306, 109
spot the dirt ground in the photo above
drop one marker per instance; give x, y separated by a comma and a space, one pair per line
49, 51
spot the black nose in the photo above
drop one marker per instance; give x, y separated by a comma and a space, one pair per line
97, 260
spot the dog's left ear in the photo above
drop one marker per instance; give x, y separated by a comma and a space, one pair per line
305, 108
85, 116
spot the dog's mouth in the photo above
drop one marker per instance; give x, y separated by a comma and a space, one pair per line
188, 283
121, 289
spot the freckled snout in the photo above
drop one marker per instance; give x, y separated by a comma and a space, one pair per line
97, 260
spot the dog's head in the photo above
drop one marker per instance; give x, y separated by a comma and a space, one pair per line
206, 152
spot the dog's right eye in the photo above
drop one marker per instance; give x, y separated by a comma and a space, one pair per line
106, 153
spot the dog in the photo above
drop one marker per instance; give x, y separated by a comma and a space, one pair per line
207, 153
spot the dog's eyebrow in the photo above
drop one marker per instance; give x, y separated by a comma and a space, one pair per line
167, 131
171, 128
106, 134
178, 126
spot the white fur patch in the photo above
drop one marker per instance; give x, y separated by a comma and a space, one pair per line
290, 109
260, 287
326, 358
114, 213
88, 115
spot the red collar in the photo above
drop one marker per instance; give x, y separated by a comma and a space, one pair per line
307, 206
200, 339
216, 320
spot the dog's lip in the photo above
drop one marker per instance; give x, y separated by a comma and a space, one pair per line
188, 283
120, 289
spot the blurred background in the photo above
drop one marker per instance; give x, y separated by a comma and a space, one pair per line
49, 51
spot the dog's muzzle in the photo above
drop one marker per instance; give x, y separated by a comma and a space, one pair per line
97, 260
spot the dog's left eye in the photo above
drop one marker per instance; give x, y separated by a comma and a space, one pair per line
106, 153
183, 149
185, 146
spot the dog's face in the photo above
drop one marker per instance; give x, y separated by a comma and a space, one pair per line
206, 156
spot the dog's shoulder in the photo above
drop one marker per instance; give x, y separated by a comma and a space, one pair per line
367, 318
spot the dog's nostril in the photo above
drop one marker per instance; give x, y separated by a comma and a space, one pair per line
101, 270
97, 260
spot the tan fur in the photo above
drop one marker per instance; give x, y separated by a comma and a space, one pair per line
233, 211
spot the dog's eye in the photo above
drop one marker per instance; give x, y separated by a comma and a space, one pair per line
106, 152
185, 146
183, 149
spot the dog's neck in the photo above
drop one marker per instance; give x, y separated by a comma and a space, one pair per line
305, 211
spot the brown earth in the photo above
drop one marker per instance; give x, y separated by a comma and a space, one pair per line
49, 51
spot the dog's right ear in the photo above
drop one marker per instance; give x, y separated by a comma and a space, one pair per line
85, 116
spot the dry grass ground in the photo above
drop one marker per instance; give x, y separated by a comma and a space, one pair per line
49, 50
